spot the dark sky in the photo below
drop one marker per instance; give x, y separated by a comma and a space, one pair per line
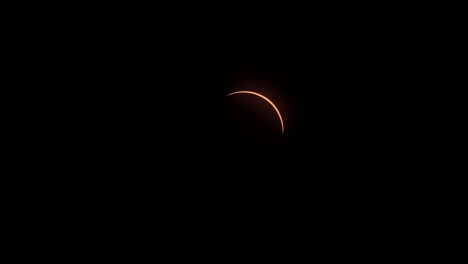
167, 119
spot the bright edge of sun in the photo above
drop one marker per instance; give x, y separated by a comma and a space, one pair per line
266, 99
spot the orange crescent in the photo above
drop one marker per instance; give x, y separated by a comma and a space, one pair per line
266, 99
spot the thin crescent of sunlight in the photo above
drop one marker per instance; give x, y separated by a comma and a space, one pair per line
266, 99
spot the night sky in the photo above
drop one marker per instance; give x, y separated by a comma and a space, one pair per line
168, 126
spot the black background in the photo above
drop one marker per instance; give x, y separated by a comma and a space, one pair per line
161, 131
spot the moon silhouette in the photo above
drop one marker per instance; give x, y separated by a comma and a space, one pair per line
266, 99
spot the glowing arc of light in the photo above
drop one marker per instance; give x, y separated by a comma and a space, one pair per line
266, 99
